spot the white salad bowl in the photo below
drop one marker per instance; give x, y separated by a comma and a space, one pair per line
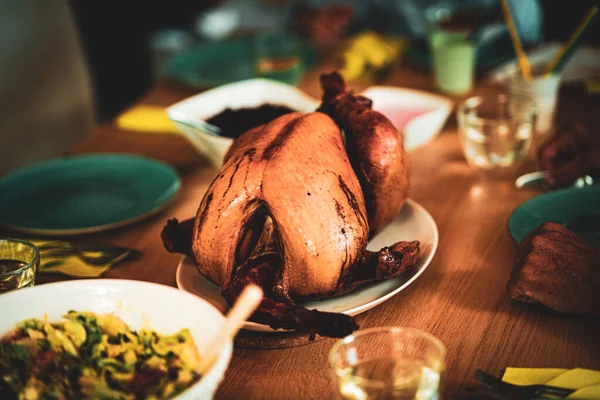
139, 304
243, 94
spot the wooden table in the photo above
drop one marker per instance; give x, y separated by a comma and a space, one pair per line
461, 298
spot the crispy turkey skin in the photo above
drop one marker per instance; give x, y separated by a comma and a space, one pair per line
293, 207
294, 170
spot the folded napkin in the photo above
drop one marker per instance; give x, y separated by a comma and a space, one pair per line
80, 261
585, 381
149, 119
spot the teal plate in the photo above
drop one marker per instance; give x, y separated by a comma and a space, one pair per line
215, 64
578, 209
85, 194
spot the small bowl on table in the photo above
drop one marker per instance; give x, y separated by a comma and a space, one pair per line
251, 93
419, 116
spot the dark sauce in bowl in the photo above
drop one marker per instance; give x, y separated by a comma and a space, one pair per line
234, 122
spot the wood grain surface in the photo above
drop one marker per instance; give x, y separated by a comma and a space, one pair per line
461, 298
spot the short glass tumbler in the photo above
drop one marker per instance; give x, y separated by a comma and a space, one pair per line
496, 132
278, 56
388, 363
19, 264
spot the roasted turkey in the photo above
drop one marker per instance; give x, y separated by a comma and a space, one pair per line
293, 207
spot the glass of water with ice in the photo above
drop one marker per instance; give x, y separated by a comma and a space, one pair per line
388, 363
496, 132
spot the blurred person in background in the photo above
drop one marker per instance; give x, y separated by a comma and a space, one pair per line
117, 39
573, 151
553, 259
45, 93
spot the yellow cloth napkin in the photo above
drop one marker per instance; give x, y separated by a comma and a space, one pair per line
585, 381
61, 257
369, 52
149, 119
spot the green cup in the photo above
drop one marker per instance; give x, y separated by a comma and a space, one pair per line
453, 61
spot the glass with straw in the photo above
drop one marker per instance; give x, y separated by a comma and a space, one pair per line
540, 84
542, 90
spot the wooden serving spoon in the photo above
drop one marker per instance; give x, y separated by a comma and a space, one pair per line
244, 306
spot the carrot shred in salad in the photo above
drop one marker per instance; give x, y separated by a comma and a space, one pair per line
90, 356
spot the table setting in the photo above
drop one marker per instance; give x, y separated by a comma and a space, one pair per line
304, 226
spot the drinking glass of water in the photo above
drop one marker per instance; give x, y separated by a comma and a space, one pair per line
388, 363
19, 264
278, 56
496, 132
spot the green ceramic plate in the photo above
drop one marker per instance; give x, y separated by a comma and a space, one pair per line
85, 194
215, 64
577, 209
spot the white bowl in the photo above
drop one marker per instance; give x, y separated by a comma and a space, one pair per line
418, 131
139, 304
247, 93
430, 112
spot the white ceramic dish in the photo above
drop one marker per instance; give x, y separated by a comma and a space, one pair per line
254, 92
248, 93
413, 223
431, 112
139, 304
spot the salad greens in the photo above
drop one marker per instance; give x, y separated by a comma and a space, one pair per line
93, 356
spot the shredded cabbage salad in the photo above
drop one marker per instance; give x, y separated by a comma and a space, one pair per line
89, 356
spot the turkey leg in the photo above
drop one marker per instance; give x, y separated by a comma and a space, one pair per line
265, 266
